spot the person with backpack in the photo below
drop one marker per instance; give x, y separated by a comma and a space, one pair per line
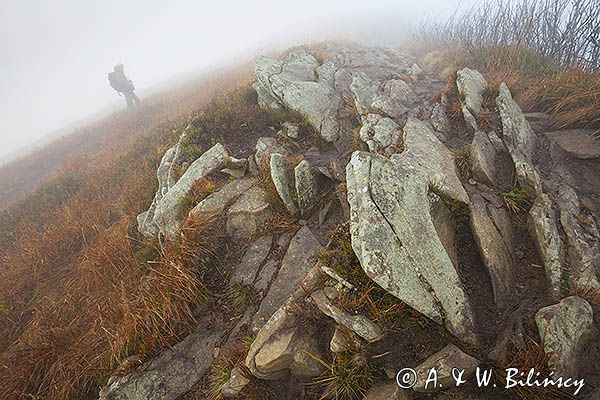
123, 85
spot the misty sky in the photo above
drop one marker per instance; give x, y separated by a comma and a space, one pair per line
55, 55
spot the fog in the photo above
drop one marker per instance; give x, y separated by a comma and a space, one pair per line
55, 56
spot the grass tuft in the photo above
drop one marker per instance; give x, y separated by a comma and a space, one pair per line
516, 200
347, 377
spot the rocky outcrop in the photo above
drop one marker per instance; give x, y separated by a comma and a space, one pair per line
444, 362
165, 174
493, 234
565, 329
247, 270
471, 84
167, 212
379, 132
519, 140
170, 374
395, 239
544, 230
265, 146
248, 214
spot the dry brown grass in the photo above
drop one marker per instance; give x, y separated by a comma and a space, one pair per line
80, 290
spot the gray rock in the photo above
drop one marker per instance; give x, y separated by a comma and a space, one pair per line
170, 374
483, 155
246, 271
343, 340
386, 391
306, 186
291, 130
544, 231
583, 240
471, 85
426, 155
300, 257
519, 140
444, 361
394, 99
265, 146
217, 202
165, 174
364, 90
494, 246
292, 83
248, 214
415, 72
282, 184
396, 241
167, 215
359, 324
580, 143
236, 383
378, 132
440, 120
565, 329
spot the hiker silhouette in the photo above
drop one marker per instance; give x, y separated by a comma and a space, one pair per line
123, 85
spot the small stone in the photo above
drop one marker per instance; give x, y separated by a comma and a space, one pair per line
236, 383
472, 182
444, 362
388, 391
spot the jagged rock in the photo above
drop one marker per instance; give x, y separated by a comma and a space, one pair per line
415, 72
565, 329
426, 155
359, 324
396, 241
248, 214
364, 90
236, 383
386, 391
483, 155
265, 146
444, 224
170, 374
218, 201
444, 361
471, 85
580, 143
306, 186
282, 184
494, 245
440, 120
396, 95
165, 175
167, 215
246, 271
544, 231
583, 240
378, 132
292, 83
291, 130
300, 257
519, 140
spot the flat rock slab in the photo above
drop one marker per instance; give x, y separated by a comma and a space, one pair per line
245, 273
170, 374
580, 143
248, 214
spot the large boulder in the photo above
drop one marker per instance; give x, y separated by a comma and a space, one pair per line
519, 140
483, 155
170, 374
493, 234
471, 84
395, 238
248, 214
217, 202
544, 230
307, 190
444, 362
565, 329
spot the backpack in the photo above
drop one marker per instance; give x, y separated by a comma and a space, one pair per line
112, 79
